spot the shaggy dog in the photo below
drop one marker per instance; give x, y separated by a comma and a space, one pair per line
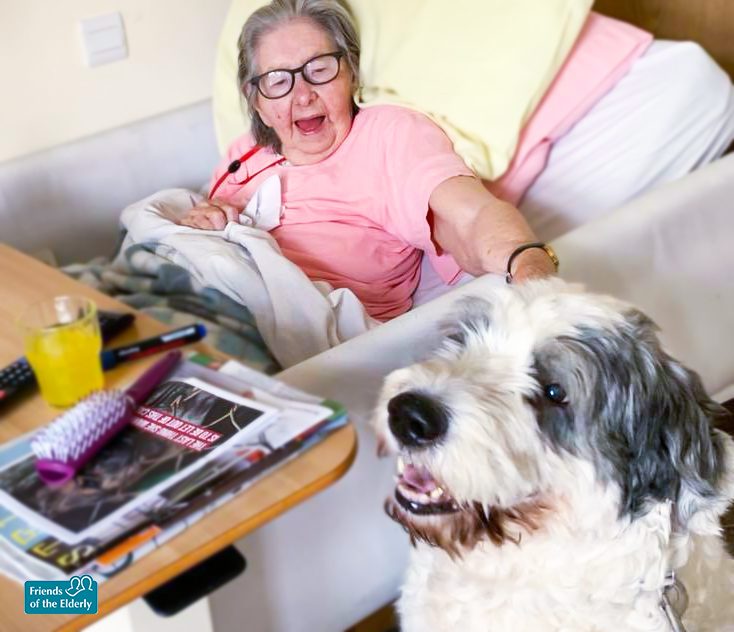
558, 471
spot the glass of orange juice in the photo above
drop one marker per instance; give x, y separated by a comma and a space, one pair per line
63, 343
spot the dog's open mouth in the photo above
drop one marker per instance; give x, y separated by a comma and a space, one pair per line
419, 493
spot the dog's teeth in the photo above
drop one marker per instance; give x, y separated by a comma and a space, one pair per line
437, 493
401, 465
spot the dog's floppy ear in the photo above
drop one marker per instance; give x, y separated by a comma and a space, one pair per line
677, 454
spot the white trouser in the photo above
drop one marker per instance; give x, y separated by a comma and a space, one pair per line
671, 113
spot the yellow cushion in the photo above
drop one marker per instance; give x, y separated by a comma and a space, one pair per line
477, 67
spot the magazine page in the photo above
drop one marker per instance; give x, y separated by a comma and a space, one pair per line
17, 537
213, 495
233, 376
38, 554
299, 424
298, 411
182, 426
188, 501
28, 552
14, 532
18, 567
267, 383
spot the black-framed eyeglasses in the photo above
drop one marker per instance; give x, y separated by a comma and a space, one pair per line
318, 70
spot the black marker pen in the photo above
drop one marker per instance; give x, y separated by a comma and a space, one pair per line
163, 342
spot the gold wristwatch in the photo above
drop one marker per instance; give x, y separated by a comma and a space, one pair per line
552, 254
522, 248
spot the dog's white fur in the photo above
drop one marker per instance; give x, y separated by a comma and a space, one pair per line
570, 558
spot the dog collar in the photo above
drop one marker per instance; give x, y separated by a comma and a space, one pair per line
674, 601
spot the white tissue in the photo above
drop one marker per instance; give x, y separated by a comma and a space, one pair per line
263, 209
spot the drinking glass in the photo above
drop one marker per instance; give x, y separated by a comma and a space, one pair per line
62, 343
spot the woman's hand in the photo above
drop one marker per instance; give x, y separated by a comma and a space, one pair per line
211, 215
481, 231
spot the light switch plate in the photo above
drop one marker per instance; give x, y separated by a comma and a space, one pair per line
103, 39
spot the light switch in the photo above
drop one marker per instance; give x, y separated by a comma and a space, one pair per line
103, 39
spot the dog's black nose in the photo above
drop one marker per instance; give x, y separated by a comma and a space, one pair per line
417, 420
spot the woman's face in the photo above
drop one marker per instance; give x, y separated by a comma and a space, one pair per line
310, 121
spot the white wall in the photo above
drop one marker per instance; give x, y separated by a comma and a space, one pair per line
49, 95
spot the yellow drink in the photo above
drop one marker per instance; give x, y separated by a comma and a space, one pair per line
65, 356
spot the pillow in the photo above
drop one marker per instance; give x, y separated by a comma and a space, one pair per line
476, 67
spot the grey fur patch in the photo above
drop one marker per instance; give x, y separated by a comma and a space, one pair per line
642, 418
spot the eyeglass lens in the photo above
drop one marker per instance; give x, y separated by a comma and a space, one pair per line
317, 71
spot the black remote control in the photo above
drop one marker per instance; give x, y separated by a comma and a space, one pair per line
18, 376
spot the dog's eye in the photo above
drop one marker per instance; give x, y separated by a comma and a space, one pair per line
556, 393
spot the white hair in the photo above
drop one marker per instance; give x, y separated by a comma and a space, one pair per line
334, 17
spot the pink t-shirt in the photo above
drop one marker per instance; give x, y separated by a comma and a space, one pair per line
358, 219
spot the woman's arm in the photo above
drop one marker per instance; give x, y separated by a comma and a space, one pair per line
481, 231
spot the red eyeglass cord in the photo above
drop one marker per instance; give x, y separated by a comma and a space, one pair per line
235, 165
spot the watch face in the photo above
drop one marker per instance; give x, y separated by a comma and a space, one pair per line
552, 254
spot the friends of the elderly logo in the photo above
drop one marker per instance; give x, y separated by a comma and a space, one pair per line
77, 595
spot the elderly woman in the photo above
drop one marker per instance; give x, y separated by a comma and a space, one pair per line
365, 192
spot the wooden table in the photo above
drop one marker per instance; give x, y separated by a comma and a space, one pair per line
24, 280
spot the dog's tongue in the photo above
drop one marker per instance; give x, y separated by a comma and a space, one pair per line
310, 124
419, 479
